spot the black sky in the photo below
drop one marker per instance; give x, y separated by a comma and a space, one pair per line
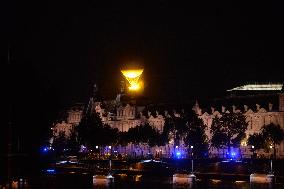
187, 50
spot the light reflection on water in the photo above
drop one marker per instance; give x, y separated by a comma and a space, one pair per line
139, 182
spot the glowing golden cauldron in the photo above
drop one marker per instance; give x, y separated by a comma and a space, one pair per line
132, 76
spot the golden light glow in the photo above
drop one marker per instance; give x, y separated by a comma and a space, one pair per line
134, 87
133, 76
244, 143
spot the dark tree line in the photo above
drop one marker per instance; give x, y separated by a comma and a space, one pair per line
196, 137
270, 135
91, 132
228, 131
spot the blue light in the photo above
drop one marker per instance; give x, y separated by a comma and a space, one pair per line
50, 171
45, 149
233, 155
178, 154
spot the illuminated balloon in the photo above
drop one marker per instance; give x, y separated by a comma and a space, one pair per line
133, 76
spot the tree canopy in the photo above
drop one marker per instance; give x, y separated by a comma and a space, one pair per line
92, 132
229, 129
273, 134
196, 137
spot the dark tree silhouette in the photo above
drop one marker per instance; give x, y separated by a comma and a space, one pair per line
257, 140
143, 134
231, 127
273, 134
72, 143
168, 129
60, 143
196, 137
92, 132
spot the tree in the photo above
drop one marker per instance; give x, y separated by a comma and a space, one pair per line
107, 135
273, 134
134, 135
72, 143
231, 127
123, 139
257, 140
180, 128
168, 130
92, 132
88, 130
174, 128
218, 140
59, 143
142, 134
196, 137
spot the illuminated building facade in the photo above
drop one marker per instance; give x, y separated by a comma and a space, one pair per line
71, 120
262, 104
259, 108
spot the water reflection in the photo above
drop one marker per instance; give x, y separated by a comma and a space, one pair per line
131, 181
20, 183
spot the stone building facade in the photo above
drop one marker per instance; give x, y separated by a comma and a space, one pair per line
73, 118
258, 112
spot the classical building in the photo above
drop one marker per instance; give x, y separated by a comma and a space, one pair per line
72, 117
261, 104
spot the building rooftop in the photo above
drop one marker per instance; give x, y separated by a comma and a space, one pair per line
259, 87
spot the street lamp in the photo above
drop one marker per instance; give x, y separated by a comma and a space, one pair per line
97, 147
252, 165
191, 147
270, 146
191, 159
252, 147
271, 167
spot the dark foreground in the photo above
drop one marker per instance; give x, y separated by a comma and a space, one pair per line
73, 180
149, 174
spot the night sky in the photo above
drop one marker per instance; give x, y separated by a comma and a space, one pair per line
58, 51
187, 51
